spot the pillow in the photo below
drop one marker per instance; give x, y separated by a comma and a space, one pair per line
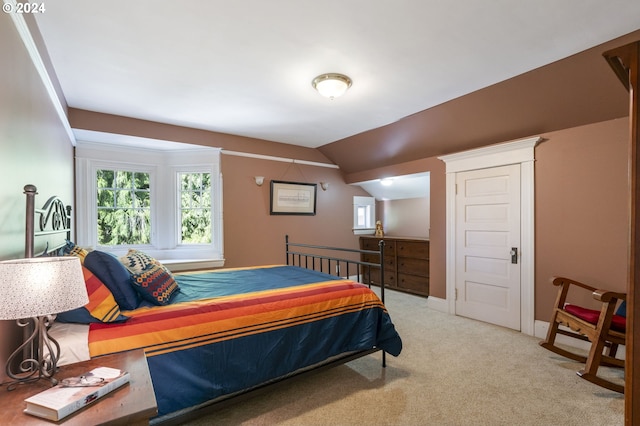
136, 261
102, 307
153, 281
155, 284
71, 249
115, 276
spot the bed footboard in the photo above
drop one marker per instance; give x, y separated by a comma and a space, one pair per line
336, 260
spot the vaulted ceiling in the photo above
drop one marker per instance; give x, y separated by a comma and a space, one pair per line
429, 77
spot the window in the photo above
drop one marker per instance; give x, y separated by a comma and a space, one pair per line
167, 203
364, 215
195, 209
123, 207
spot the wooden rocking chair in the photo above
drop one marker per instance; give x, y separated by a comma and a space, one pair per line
604, 329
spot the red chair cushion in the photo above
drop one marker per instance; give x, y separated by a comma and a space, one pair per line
618, 323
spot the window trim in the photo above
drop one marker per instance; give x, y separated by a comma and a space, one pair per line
360, 201
163, 167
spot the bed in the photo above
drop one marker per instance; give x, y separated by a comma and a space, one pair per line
210, 336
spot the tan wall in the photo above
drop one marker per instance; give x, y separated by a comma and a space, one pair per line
581, 213
253, 237
88, 120
34, 150
437, 213
407, 217
581, 209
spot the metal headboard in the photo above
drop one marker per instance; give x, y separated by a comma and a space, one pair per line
54, 218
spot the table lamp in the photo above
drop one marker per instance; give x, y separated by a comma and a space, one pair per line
31, 290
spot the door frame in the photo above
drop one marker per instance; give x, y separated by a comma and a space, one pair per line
516, 152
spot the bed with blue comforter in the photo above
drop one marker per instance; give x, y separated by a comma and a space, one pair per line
234, 329
211, 335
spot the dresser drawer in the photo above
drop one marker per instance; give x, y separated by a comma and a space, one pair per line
374, 258
416, 249
372, 244
373, 277
414, 283
408, 265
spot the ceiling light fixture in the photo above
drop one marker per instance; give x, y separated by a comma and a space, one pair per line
331, 85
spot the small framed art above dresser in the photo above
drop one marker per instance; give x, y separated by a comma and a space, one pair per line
406, 263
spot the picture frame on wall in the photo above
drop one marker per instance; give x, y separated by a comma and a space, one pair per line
293, 198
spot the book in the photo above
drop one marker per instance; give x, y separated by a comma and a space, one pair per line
74, 393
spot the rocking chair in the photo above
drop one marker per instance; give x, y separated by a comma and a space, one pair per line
604, 329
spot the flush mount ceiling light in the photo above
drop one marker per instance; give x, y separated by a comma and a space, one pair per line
331, 85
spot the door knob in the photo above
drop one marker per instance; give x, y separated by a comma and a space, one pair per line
514, 254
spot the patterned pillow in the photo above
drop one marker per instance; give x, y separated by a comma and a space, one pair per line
102, 307
155, 284
71, 249
136, 261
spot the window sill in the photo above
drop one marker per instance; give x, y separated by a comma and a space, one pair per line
181, 265
364, 231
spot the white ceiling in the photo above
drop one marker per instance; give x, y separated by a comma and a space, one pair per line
245, 67
417, 185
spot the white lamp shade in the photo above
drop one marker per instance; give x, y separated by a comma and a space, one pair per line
40, 286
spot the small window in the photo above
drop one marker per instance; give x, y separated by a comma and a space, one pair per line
364, 215
195, 208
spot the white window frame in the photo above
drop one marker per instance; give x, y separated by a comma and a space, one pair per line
358, 202
163, 167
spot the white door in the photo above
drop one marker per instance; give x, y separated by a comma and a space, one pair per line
487, 245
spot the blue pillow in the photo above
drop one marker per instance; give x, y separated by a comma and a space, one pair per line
622, 309
82, 316
115, 276
102, 306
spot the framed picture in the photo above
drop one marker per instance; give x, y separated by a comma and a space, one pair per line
293, 198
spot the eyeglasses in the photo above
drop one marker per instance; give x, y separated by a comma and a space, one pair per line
82, 381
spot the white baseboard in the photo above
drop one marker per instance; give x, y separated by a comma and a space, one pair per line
438, 304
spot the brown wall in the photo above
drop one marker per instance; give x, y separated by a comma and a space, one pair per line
581, 209
34, 150
88, 120
407, 217
581, 220
252, 236
437, 206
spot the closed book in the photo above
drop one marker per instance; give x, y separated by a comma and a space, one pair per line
74, 393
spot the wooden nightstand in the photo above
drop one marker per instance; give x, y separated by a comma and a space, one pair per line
131, 404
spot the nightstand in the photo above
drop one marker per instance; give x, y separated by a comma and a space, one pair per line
131, 404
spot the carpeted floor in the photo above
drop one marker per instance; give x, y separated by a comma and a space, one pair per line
452, 371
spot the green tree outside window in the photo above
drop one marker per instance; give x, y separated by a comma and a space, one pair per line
195, 208
124, 207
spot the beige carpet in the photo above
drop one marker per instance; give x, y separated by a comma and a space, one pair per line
452, 371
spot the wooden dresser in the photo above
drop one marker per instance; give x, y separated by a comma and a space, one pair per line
406, 263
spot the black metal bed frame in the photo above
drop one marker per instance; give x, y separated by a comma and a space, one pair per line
52, 219
322, 258
55, 218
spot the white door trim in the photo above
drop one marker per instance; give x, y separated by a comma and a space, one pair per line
516, 152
